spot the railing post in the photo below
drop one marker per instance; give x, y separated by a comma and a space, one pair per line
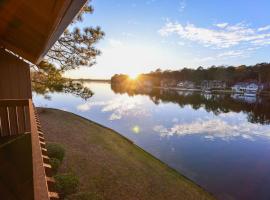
41, 191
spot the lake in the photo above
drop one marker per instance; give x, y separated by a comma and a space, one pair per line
221, 142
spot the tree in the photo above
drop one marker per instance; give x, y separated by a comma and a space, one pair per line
75, 48
49, 79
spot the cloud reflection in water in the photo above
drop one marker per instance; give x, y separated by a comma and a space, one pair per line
119, 107
213, 128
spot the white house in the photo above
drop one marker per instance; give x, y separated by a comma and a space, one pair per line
239, 87
248, 89
213, 84
186, 85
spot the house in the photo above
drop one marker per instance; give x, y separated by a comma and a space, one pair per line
165, 83
186, 85
247, 88
28, 29
213, 84
239, 87
147, 83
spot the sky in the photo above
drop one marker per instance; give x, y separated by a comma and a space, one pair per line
144, 35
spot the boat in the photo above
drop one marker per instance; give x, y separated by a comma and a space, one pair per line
250, 94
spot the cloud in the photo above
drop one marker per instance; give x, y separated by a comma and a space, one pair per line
222, 25
222, 35
232, 53
214, 128
227, 54
182, 5
265, 28
88, 105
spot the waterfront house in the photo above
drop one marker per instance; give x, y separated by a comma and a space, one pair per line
28, 29
247, 88
186, 85
213, 84
239, 87
165, 83
147, 83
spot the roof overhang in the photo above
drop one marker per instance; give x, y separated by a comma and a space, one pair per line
29, 28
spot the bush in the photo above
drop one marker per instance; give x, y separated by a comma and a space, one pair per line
55, 163
66, 184
56, 151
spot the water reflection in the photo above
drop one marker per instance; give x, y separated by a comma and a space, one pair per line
256, 108
215, 128
219, 141
119, 107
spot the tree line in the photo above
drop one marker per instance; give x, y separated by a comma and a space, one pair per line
230, 74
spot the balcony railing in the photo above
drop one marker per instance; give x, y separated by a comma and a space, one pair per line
14, 117
20, 117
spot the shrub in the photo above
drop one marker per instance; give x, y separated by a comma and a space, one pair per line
66, 184
55, 163
56, 151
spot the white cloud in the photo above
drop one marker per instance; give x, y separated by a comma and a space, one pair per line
221, 36
265, 28
182, 5
232, 53
215, 128
88, 105
227, 54
222, 25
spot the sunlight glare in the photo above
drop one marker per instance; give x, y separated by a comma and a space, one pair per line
133, 76
136, 129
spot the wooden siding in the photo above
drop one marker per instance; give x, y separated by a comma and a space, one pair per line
15, 82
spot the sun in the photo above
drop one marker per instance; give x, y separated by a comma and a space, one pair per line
133, 76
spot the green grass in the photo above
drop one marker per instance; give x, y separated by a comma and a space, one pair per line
110, 166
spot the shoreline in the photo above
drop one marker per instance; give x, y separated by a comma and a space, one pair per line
211, 91
172, 177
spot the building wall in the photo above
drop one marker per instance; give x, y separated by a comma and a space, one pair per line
15, 82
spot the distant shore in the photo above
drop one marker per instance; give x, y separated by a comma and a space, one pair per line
226, 91
93, 80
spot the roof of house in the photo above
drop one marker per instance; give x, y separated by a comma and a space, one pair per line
29, 28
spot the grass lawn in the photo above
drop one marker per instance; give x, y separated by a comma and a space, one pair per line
109, 166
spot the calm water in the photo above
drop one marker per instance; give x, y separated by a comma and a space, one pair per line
221, 142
